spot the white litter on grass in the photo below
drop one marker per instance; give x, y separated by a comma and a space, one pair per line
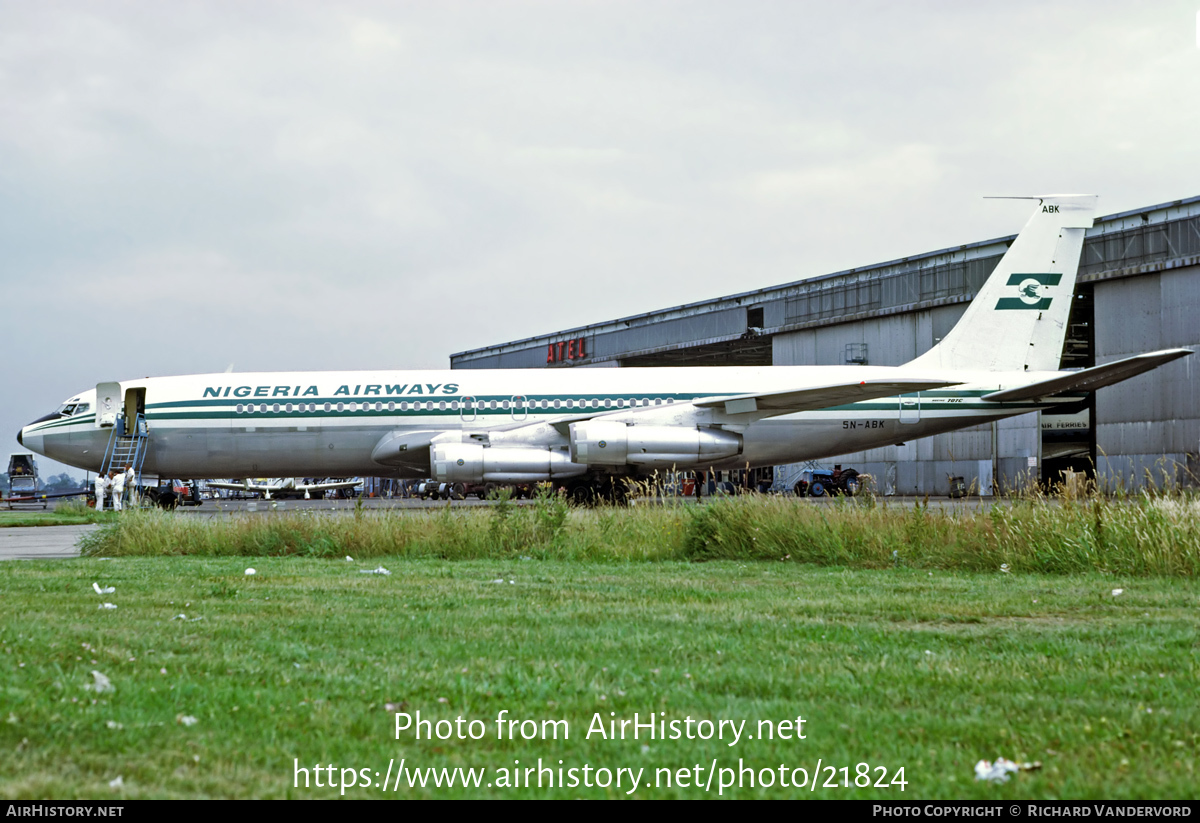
180, 617
102, 684
107, 606
188, 720
116, 783
105, 590
1117, 592
999, 771
112, 724
250, 572
380, 570
497, 580
349, 559
1004, 568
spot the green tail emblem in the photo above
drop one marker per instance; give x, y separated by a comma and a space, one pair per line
1029, 294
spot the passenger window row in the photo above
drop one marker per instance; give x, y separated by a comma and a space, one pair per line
440, 405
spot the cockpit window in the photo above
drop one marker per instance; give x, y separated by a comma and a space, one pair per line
68, 409
81, 408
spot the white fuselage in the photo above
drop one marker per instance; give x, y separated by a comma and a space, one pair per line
328, 424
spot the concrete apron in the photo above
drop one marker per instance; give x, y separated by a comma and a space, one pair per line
41, 542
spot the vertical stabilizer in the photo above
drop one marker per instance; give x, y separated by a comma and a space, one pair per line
1018, 320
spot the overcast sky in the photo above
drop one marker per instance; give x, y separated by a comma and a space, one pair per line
376, 185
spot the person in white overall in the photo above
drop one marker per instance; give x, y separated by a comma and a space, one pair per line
118, 490
101, 485
131, 484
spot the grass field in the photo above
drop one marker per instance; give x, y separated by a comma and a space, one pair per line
71, 513
923, 669
1140, 536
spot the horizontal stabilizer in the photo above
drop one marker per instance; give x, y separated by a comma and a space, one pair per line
820, 397
1096, 377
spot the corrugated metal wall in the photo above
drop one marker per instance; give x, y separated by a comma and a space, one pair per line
1148, 426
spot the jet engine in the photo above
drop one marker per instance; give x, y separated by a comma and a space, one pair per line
473, 463
608, 443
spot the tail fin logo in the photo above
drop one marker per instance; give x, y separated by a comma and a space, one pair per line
1030, 289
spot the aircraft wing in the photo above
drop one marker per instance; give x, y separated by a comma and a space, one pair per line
406, 448
770, 404
236, 487
337, 484
1096, 377
812, 398
299, 487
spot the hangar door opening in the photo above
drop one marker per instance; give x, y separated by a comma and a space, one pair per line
1068, 433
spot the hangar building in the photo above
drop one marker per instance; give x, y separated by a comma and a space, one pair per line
1138, 291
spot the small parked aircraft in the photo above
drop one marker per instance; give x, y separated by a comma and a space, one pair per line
284, 487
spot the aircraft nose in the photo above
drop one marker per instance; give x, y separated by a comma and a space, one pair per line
19, 440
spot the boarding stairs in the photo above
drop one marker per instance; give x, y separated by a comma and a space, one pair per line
127, 446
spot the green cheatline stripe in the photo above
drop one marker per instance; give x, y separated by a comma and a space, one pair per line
282, 415
69, 421
940, 407
415, 398
487, 398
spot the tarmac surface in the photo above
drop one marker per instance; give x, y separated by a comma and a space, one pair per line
41, 542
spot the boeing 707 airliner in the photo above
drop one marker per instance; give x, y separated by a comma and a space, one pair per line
581, 428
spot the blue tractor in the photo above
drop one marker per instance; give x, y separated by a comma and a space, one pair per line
822, 482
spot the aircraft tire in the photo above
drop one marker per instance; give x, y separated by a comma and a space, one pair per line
581, 493
619, 492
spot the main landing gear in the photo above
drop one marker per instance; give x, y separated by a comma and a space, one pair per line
589, 491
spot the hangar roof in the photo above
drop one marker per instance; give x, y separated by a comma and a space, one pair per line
1124, 244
